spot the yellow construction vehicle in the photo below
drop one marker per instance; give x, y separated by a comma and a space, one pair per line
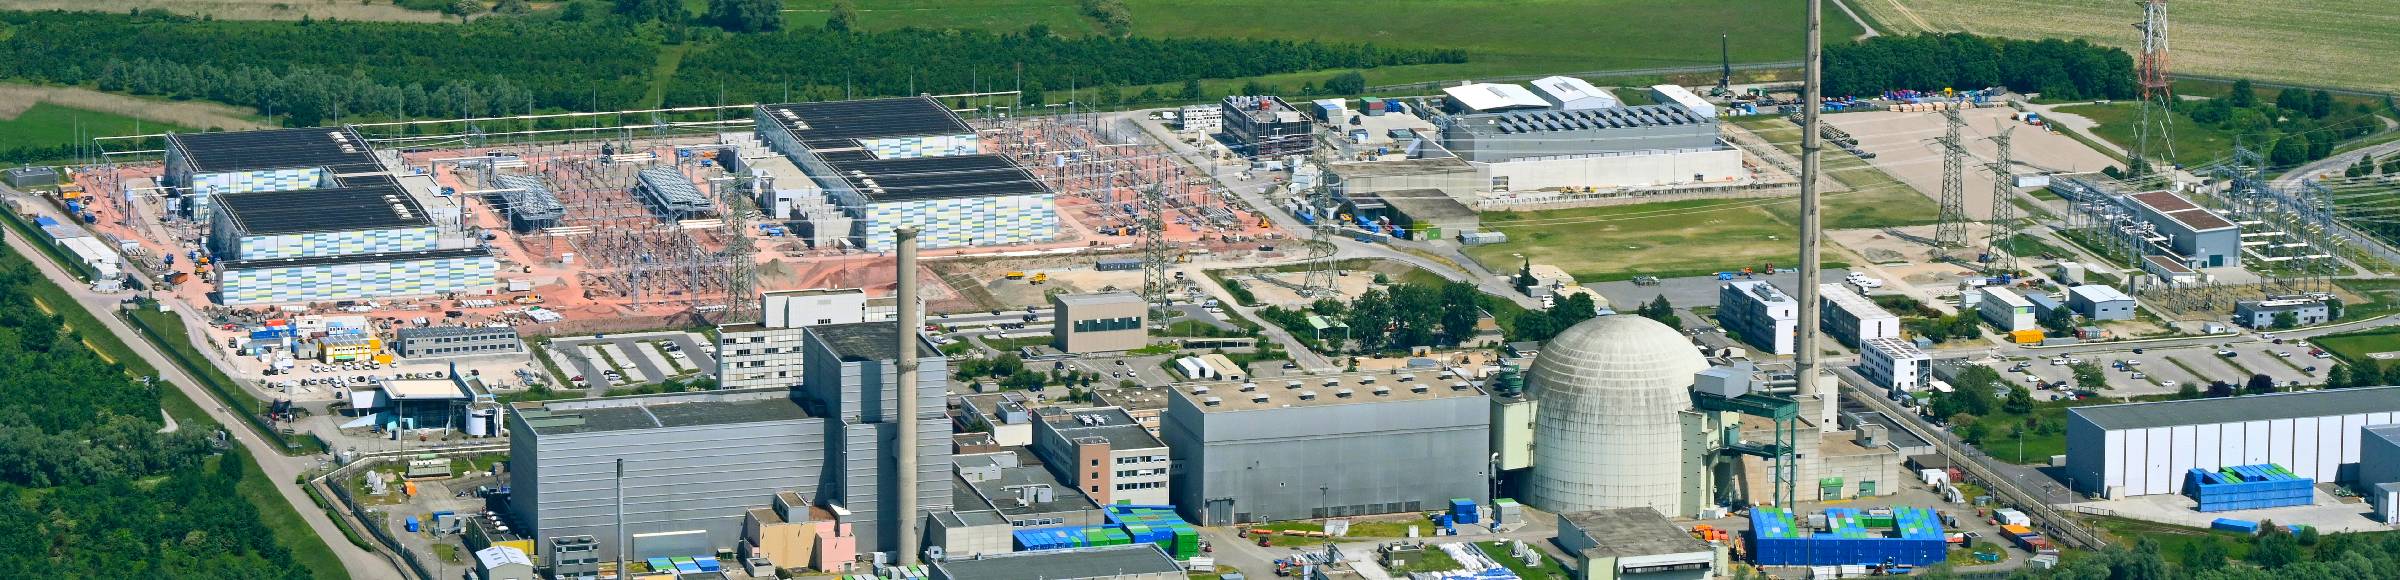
1041, 278
1016, 275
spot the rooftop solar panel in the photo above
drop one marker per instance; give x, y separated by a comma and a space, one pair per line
672, 188
867, 119
338, 148
366, 204
938, 177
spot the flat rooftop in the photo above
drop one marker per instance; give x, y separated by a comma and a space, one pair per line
352, 259
1003, 493
1899, 349
937, 177
1068, 564
1550, 121
1100, 299
831, 123
1136, 398
1631, 532
337, 148
2182, 210
2168, 264
2244, 408
1859, 307
867, 341
1424, 204
1761, 290
1323, 390
453, 331
363, 204
643, 412
1110, 424
2098, 293
1441, 166
1260, 109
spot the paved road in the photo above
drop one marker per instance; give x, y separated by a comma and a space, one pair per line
1306, 358
280, 469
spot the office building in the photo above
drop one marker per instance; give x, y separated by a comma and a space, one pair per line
1103, 452
1342, 445
1264, 127
767, 353
1854, 319
441, 341
1759, 314
1105, 322
2137, 449
2006, 309
1201, 118
2261, 314
2100, 302
1892, 363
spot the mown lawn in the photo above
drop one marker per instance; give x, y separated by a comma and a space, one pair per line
49, 124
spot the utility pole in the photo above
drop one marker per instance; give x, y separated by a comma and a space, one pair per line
912, 318
1725, 50
1950, 229
1156, 254
2003, 240
1812, 149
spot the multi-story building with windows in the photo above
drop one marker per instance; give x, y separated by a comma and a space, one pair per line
1103, 452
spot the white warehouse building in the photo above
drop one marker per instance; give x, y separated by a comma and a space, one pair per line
1893, 363
2146, 448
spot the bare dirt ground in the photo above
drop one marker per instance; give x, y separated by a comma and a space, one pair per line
1903, 144
240, 9
16, 98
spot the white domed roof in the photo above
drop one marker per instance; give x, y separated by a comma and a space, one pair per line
1607, 433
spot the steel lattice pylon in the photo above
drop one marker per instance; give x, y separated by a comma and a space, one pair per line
2158, 99
1156, 254
741, 269
2003, 240
1951, 229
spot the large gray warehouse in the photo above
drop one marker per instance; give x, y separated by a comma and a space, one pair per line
1509, 136
2145, 448
1326, 446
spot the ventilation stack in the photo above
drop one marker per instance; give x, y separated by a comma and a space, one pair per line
912, 317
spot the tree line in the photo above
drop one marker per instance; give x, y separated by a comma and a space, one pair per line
2058, 69
2299, 126
88, 486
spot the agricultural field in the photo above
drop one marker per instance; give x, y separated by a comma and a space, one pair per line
46, 125
21, 100
2334, 43
242, 9
1684, 238
1502, 37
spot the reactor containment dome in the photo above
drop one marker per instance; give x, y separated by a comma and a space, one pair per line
1607, 428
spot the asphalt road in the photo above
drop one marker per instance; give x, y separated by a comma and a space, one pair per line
279, 468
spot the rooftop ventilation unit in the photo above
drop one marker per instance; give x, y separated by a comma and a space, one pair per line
1420, 388
1249, 387
1343, 394
1260, 398
1201, 390
1366, 379
1211, 401
1405, 378
1460, 386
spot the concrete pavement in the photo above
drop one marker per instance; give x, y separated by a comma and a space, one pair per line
280, 469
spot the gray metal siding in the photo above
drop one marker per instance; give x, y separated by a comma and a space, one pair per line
693, 478
1281, 464
2378, 462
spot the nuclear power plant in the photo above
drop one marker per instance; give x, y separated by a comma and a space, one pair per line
1627, 413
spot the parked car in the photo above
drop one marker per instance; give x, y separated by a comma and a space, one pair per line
2225, 352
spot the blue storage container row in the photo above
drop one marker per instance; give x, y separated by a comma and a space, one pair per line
1916, 539
2242, 487
1463, 511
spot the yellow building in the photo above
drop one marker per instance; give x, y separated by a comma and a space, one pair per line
348, 348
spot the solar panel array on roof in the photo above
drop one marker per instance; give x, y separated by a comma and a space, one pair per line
670, 189
866, 119
1589, 119
338, 148
938, 177
360, 204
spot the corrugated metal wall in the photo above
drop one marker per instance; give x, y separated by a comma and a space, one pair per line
959, 222
350, 281
2153, 460
695, 478
341, 243
1283, 464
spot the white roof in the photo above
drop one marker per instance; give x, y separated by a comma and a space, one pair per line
1859, 307
2006, 296
1896, 349
2099, 293
1489, 96
1683, 96
1563, 90
497, 556
411, 389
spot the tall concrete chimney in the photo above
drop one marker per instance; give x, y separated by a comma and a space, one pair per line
1805, 364
912, 318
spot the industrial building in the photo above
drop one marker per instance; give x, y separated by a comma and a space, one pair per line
1007, 416
793, 533
1543, 134
1613, 395
695, 464
32, 178
201, 166
885, 163
1892, 363
1126, 562
1021, 490
1468, 98
331, 278
1759, 314
2100, 302
1264, 127
1909, 536
671, 194
1425, 214
1626, 543
1684, 97
1103, 452
440, 341
1102, 322
2006, 309
2138, 449
1326, 446
504, 563
852, 374
2379, 471
2198, 236
2261, 314
1567, 93
1201, 118
767, 353
1854, 319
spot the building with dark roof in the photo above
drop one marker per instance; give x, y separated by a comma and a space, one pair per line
885, 163
1265, 127
695, 463
2145, 448
1633, 543
1141, 561
363, 216
1104, 452
2199, 237
1495, 137
203, 165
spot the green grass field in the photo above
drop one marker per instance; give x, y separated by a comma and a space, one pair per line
2338, 43
49, 124
2353, 347
2193, 144
1683, 238
1502, 37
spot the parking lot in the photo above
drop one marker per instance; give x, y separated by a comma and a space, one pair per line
2165, 370
633, 359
